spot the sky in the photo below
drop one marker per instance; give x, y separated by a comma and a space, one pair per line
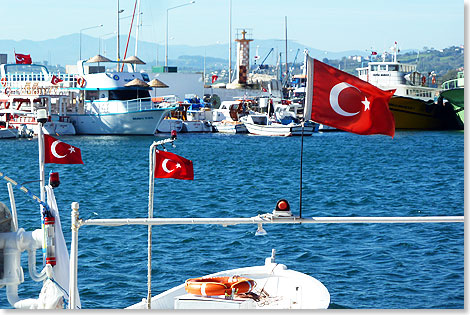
330, 25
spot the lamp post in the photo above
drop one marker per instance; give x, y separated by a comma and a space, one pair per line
166, 41
80, 39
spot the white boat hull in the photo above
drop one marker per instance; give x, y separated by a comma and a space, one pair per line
279, 130
53, 128
287, 289
130, 123
168, 125
229, 127
8, 133
196, 126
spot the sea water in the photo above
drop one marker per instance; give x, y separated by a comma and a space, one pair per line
392, 266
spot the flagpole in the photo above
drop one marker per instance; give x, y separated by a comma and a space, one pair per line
150, 216
41, 119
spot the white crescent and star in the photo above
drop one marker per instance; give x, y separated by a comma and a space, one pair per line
54, 152
165, 168
19, 58
334, 94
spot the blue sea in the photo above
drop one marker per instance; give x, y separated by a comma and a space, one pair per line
364, 266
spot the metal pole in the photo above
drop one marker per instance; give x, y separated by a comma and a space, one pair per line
73, 257
166, 40
150, 216
41, 183
230, 43
118, 56
80, 45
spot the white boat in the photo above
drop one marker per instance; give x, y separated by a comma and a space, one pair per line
26, 88
260, 124
115, 102
276, 287
226, 118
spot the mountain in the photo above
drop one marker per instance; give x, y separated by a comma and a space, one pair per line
65, 50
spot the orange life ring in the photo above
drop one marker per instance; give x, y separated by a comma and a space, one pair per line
4, 81
219, 285
423, 80
81, 82
433, 80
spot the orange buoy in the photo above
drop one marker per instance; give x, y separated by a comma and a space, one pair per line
219, 285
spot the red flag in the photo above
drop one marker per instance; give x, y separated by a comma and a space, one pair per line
23, 59
264, 90
374, 53
214, 78
170, 165
341, 100
58, 152
56, 80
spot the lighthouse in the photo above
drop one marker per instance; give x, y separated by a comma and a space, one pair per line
243, 57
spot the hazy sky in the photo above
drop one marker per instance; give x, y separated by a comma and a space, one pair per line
333, 25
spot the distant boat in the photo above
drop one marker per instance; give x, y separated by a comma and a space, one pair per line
115, 103
453, 91
226, 118
414, 105
260, 124
28, 87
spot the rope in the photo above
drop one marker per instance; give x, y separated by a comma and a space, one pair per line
25, 190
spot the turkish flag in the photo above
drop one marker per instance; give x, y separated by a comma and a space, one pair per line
170, 165
341, 100
56, 80
214, 78
23, 59
58, 152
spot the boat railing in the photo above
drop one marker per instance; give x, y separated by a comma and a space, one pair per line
19, 79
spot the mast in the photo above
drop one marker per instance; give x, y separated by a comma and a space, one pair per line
230, 42
138, 28
117, 14
287, 68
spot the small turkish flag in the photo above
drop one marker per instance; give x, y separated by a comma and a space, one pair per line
23, 59
58, 152
55, 80
214, 78
340, 100
170, 165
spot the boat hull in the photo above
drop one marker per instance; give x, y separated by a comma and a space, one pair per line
168, 125
55, 128
8, 133
196, 126
129, 123
280, 130
230, 127
411, 113
286, 289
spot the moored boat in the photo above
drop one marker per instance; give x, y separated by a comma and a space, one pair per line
453, 91
115, 103
414, 105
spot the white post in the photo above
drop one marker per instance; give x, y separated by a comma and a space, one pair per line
41, 119
150, 216
73, 257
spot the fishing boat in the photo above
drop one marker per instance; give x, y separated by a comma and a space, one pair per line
7, 132
114, 103
453, 91
414, 105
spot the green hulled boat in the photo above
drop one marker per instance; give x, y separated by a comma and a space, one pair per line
453, 92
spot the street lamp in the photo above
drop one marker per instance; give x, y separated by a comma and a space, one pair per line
80, 39
166, 42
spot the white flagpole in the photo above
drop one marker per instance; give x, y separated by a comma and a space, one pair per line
150, 216
41, 119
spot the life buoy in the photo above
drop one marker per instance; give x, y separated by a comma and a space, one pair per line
433, 80
423, 80
4, 81
81, 82
7, 91
219, 285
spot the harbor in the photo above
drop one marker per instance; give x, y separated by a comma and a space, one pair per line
281, 179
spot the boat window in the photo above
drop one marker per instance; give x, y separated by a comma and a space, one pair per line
91, 95
374, 67
124, 95
382, 67
392, 67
